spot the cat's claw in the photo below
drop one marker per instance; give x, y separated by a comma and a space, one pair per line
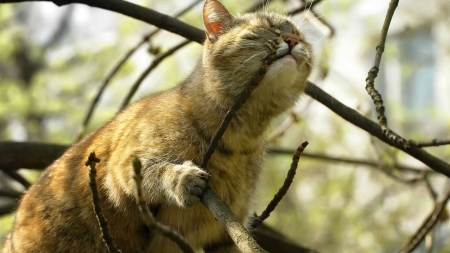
189, 184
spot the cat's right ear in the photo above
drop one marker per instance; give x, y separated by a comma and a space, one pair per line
215, 18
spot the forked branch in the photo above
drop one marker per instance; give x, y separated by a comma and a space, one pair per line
428, 224
370, 80
103, 223
148, 217
283, 190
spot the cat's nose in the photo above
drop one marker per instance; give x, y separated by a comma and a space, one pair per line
291, 41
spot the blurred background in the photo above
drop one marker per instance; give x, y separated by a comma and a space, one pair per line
349, 194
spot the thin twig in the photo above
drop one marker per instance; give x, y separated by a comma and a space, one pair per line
148, 217
283, 190
427, 225
280, 130
430, 189
144, 74
370, 86
432, 143
388, 169
104, 228
243, 96
328, 158
118, 65
374, 129
209, 198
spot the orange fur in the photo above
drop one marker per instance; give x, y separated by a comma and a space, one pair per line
170, 132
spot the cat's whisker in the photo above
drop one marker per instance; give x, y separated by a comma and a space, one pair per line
306, 13
323, 37
307, 19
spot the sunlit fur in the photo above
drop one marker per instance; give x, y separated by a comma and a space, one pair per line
170, 132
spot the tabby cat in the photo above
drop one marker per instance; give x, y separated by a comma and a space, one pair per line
170, 132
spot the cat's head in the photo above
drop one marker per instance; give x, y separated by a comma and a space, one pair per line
236, 47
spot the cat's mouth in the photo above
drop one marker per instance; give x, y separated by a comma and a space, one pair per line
285, 55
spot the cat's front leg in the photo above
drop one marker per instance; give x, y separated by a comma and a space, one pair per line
180, 184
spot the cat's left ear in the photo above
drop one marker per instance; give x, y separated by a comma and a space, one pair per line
215, 18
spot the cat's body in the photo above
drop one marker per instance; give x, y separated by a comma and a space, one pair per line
170, 132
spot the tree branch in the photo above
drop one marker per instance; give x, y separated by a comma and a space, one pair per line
10, 193
209, 198
427, 225
148, 217
32, 155
8, 208
153, 65
328, 158
374, 129
118, 65
432, 143
137, 12
283, 190
103, 223
370, 86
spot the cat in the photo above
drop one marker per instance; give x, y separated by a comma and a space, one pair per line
170, 131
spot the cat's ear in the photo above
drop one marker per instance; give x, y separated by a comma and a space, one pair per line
215, 18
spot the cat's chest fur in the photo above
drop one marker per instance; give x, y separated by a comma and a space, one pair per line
170, 133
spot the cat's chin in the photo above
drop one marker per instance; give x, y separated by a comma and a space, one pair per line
285, 64
288, 60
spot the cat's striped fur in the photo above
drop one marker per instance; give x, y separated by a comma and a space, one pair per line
170, 132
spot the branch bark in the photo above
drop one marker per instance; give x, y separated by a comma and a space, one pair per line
283, 190
427, 225
137, 12
32, 155
98, 210
374, 129
148, 217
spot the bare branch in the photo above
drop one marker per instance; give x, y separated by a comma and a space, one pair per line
427, 225
10, 193
432, 143
8, 208
274, 241
245, 94
103, 223
223, 214
209, 198
374, 94
148, 217
388, 169
374, 129
116, 68
137, 12
15, 155
329, 158
283, 190
430, 189
280, 130
144, 74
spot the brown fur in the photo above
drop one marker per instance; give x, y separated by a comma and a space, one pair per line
170, 132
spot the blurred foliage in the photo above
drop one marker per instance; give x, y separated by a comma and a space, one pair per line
45, 91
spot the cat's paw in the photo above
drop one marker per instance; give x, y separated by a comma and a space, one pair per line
189, 183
